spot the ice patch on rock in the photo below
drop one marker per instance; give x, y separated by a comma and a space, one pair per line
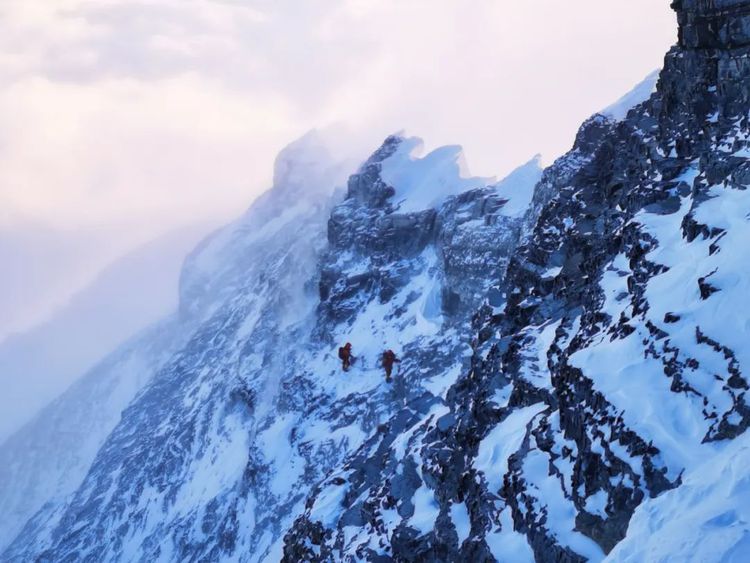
426, 510
502, 442
461, 520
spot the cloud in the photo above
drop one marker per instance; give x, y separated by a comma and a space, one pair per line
160, 112
130, 149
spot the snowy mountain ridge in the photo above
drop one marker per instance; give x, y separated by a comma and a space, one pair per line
572, 385
48, 459
248, 292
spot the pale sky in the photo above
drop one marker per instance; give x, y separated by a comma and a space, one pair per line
145, 115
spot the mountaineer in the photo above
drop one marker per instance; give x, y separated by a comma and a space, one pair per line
345, 355
389, 358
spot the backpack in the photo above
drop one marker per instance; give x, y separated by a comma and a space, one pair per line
342, 353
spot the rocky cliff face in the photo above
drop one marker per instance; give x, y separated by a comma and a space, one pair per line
715, 24
216, 457
616, 365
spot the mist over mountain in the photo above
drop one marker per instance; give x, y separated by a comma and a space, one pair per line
135, 291
572, 383
43, 267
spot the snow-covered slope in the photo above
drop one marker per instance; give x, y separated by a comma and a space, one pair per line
642, 92
518, 188
47, 460
218, 454
705, 519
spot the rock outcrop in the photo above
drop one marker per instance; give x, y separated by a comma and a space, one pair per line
713, 24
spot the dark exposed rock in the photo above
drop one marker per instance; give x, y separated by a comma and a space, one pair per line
713, 23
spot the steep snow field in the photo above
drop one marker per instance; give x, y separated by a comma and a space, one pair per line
46, 461
639, 94
706, 519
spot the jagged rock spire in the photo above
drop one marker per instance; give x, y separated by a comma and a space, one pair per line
713, 24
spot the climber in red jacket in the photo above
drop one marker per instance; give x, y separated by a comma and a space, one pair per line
389, 358
345, 355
